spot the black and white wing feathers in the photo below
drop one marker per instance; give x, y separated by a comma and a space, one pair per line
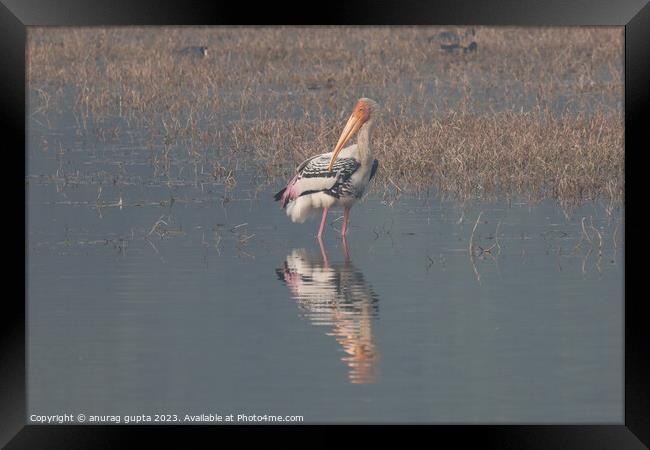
314, 176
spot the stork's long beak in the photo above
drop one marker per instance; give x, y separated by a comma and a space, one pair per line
354, 123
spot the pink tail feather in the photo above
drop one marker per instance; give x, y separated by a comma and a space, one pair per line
288, 193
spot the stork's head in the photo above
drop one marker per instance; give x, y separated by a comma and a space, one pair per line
364, 112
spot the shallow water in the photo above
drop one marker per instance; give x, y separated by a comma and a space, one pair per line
199, 307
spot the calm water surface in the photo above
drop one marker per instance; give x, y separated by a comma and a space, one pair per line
190, 298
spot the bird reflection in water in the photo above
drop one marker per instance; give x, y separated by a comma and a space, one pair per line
336, 296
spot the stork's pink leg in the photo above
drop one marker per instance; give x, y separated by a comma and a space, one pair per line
346, 217
322, 223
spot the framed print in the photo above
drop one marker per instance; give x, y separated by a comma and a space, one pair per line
413, 215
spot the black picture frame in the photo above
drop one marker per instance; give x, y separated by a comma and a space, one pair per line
634, 15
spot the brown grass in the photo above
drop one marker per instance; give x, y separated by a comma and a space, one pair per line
535, 112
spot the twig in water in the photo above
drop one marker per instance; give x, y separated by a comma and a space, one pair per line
585, 231
487, 250
471, 238
232, 230
584, 260
476, 272
471, 249
600, 238
496, 237
245, 238
155, 225
156, 250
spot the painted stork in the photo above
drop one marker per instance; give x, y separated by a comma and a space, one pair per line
337, 178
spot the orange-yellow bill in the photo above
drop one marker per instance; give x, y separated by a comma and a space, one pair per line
354, 123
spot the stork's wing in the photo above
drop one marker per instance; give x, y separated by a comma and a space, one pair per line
317, 167
308, 160
313, 176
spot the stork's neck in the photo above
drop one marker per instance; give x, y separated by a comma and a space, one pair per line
363, 142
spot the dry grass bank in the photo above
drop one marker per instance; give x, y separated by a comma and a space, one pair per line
534, 112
